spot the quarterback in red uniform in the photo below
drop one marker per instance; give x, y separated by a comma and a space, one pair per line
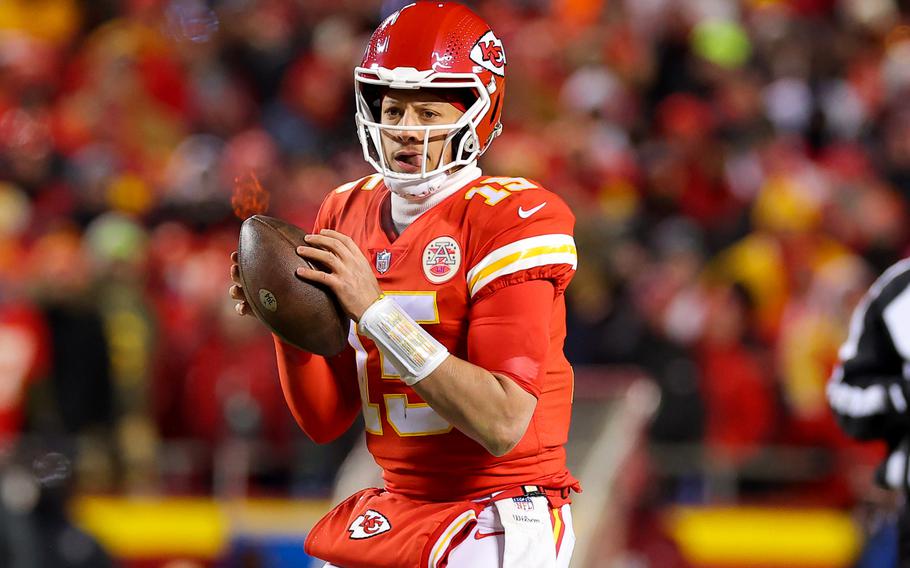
454, 281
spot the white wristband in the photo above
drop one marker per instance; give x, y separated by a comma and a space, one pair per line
412, 351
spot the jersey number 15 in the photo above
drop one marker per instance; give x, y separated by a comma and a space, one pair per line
405, 418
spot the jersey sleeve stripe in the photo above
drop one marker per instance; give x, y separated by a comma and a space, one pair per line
552, 240
524, 264
528, 253
521, 255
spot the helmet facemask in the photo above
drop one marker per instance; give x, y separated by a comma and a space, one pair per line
461, 136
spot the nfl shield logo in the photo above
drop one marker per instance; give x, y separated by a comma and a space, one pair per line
383, 258
523, 503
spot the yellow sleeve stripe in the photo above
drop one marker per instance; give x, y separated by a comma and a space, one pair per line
521, 255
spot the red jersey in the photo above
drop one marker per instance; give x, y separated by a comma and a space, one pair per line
493, 232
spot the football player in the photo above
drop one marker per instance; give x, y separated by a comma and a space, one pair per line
454, 281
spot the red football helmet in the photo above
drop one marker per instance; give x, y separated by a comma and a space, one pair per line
438, 45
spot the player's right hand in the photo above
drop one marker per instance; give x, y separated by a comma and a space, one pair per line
236, 289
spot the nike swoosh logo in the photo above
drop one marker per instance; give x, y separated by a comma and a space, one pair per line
479, 535
525, 214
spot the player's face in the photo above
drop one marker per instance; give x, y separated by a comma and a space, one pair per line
404, 148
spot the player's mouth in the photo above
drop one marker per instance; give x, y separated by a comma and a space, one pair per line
409, 161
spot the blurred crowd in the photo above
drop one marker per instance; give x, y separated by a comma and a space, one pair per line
740, 172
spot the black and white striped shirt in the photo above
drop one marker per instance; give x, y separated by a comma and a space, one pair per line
869, 389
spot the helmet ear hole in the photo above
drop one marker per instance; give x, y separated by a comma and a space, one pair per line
464, 134
372, 95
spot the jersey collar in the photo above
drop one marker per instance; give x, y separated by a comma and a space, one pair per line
405, 210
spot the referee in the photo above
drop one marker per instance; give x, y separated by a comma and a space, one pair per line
868, 390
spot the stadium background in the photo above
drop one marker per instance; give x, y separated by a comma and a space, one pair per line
740, 172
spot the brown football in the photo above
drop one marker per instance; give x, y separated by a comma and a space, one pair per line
301, 313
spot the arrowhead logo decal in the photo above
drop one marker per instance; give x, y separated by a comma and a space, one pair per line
369, 524
489, 54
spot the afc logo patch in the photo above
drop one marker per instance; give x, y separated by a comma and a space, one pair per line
441, 259
369, 524
489, 54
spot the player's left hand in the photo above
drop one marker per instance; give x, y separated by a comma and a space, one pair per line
349, 274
